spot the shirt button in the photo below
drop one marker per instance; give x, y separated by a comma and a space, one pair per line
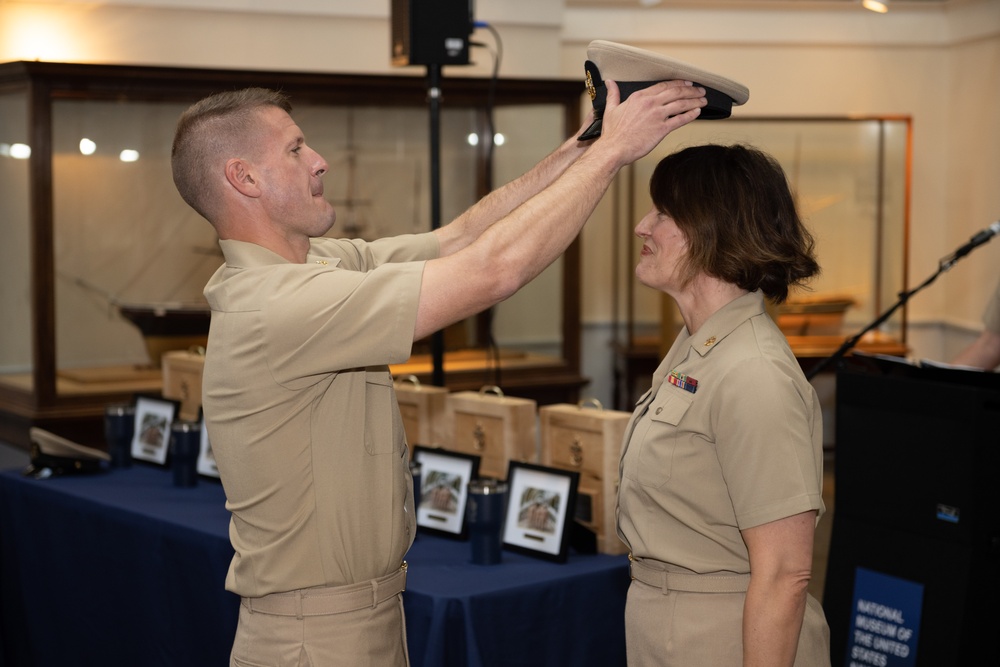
659, 410
321, 261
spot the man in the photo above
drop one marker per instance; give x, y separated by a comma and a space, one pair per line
984, 352
297, 394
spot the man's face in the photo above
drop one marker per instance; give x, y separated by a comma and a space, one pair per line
290, 174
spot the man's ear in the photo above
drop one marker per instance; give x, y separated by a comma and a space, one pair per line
238, 173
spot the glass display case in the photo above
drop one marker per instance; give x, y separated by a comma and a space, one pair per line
104, 264
851, 181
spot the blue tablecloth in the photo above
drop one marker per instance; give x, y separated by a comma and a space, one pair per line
123, 568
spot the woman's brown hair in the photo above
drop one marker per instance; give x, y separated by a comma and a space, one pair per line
737, 213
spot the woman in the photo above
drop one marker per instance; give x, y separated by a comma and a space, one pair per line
721, 475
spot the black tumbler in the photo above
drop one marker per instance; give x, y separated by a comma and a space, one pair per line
119, 427
415, 469
485, 510
185, 445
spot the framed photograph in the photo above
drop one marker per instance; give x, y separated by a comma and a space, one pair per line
444, 489
153, 417
540, 506
206, 460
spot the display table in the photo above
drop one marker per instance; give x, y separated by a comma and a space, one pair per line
123, 568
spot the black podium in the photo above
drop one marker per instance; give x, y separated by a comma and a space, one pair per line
913, 575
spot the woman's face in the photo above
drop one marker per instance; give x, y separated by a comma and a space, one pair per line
663, 248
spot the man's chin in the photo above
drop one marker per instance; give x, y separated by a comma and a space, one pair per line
330, 219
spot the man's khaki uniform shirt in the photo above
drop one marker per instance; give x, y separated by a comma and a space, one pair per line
734, 440
301, 413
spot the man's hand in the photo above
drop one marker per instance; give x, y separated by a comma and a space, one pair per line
634, 127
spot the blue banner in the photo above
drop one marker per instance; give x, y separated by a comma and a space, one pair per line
885, 621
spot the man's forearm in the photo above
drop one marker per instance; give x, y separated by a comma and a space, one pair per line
478, 218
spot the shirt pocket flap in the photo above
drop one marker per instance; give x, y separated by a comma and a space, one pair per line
669, 406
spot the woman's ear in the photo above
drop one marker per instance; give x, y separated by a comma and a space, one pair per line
238, 173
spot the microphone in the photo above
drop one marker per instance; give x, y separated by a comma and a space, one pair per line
973, 243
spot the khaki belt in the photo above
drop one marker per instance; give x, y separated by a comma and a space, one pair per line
330, 599
689, 583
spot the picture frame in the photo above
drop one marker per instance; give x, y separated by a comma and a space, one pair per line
151, 439
444, 490
206, 459
541, 503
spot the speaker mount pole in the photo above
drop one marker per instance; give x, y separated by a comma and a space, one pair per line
434, 106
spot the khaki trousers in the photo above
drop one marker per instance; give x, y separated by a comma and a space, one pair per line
360, 625
681, 627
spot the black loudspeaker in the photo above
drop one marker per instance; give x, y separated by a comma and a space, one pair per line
431, 32
917, 501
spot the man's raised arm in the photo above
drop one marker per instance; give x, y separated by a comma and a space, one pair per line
532, 231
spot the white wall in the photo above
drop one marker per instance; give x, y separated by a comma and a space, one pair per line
351, 36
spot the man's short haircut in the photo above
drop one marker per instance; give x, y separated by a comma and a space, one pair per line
210, 132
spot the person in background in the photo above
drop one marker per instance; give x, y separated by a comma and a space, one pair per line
297, 394
722, 466
984, 352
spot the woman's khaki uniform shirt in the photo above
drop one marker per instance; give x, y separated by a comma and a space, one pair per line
729, 437
301, 413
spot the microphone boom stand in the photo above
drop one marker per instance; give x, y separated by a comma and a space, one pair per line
904, 296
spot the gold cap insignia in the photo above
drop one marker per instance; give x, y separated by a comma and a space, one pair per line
590, 87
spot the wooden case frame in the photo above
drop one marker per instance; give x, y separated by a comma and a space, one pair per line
40, 396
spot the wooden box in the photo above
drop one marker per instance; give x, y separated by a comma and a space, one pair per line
818, 316
497, 428
588, 441
423, 409
182, 373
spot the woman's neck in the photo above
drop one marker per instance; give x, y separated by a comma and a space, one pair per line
703, 297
